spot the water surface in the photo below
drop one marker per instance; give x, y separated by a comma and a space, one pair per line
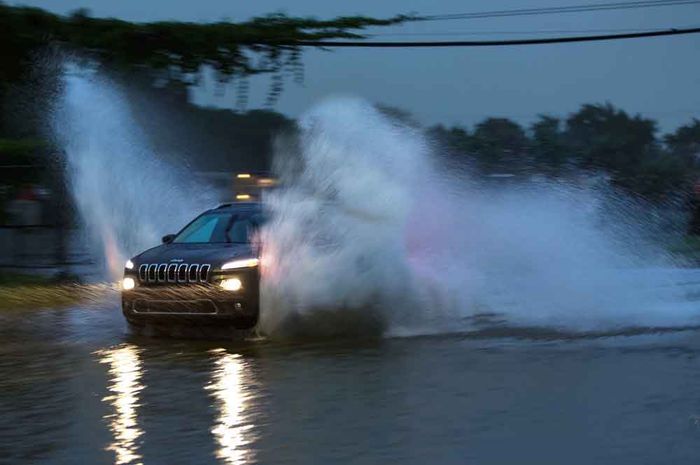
78, 388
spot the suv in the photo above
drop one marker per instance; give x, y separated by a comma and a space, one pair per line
207, 274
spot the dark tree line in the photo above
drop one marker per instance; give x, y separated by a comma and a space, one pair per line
597, 139
34, 44
169, 51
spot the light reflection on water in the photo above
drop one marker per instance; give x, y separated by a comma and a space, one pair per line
125, 370
232, 430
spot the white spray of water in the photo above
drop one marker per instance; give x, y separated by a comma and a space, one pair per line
367, 227
369, 230
336, 239
127, 197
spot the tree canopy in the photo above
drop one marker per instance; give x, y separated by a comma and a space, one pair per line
594, 139
168, 50
178, 50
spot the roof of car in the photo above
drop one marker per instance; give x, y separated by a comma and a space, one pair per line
239, 207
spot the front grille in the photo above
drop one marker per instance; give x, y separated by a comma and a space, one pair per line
183, 273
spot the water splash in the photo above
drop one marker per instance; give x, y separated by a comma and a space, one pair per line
127, 196
369, 236
367, 227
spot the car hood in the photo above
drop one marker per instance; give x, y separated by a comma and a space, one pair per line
214, 254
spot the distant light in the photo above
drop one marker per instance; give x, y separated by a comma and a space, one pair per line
129, 265
266, 181
244, 263
500, 175
231, 284
128, 284
243, 175
242, 196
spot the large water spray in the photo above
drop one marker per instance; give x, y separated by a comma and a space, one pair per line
127, 196
370, 235
368, 226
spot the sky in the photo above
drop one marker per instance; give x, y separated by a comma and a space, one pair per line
657, 78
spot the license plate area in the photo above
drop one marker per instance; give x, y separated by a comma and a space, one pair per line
175, 307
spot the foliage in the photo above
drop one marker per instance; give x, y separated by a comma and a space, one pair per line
499, 144
595, 139
685, 142
602, 136
549, 147
19, 148
174, 50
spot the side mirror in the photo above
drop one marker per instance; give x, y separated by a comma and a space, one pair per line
168, 238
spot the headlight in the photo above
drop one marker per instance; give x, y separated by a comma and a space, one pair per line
231, 284
128, 284
129, 265
245, 263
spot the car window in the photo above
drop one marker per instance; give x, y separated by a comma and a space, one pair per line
220, 227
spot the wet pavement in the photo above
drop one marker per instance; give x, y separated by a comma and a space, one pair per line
76, 387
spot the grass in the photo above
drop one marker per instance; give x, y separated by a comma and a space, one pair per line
19, 279
27, 292
21, 146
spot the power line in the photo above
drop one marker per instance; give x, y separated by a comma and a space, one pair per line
483, 43
531, 32
560, 9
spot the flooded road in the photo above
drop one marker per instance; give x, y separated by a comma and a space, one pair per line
78, 388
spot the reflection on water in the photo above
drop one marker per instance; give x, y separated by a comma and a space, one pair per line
125, 372
231, 432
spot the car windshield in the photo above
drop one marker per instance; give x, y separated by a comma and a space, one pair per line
221, 227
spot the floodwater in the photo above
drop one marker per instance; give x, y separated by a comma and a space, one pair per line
76, 387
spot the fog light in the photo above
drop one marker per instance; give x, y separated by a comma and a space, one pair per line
128, 284
231, 284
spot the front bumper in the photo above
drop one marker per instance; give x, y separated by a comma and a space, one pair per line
201, 304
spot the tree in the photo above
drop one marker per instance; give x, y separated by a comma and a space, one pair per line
685, 142
601, 136
173, 51
596, 138
549, 149
500, 145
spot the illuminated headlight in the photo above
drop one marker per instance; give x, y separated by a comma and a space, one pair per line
231, 284
128, 284
129, 265
245, 263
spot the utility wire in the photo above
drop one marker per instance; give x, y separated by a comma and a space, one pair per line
483, 43
560, 9
487, 33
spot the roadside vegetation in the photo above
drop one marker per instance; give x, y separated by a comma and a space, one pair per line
30, 292
598, 138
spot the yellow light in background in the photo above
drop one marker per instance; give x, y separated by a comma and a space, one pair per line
242, 196
125, 373
231, 432
128, 284
243, 176
266, 181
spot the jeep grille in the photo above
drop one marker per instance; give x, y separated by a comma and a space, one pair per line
174, 273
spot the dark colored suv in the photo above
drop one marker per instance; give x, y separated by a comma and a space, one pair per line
207, 274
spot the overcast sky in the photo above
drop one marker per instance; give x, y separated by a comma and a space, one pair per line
658, 77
